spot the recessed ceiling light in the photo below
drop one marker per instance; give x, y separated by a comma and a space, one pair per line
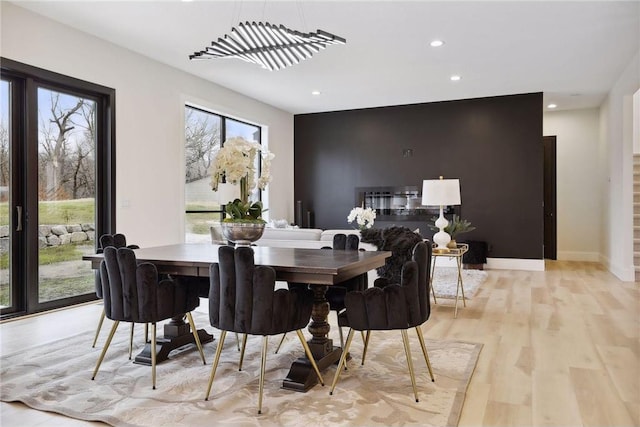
455, 78
315, 92
551, 106
436, 43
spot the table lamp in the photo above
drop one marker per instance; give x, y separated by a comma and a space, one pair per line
441, 192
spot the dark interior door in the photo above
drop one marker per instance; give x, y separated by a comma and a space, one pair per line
550, 231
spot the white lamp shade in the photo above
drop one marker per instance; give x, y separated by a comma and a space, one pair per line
228, 192
440, 192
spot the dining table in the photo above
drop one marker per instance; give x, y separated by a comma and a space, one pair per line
319, 268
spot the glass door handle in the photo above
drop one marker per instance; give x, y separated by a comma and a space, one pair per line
19, 218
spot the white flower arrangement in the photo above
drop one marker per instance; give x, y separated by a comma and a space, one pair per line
364, 217
236, 160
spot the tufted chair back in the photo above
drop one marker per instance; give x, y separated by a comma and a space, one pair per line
243, 298
132, 292
117, 240
421, 254
391, 307
335, 293
400, 306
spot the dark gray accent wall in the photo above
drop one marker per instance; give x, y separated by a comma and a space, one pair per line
493, 145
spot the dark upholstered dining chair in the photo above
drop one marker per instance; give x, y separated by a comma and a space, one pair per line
117, 240
394, 306
243, 299
335, 293
423, 258
132, 293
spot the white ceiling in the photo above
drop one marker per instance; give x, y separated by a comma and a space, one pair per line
572, 51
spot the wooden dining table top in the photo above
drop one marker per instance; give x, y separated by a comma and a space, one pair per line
313, 266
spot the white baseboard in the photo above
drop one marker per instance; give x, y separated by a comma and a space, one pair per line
578, 256
515, 264
625, 274
499, 263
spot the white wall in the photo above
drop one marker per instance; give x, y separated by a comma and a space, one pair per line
616, 121
578, 206
636, 122
150, 99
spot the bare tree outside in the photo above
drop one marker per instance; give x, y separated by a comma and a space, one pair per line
202, 141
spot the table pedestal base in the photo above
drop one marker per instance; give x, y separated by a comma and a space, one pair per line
301, 375
177, 333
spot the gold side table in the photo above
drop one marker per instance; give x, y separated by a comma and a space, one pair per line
457, 253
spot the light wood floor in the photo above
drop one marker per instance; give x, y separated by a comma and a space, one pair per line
561, 348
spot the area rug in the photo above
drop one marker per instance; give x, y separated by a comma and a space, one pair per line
56, 377
445, 280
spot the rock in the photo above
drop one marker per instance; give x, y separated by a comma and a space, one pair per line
78, 236
53, 240
74, 228
59, 230
44, 230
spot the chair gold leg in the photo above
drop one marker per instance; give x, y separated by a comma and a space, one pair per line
407, 352
263, 362
223, 334
343, 360
433, 267
146, 333
341, 337
366, 346
424, 352
280, 343
464, 300
194, 331
153, 354
131, 341
238, 341
106, 346
307, 351
95, 339
244, 347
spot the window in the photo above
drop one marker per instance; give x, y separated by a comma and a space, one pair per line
204, 134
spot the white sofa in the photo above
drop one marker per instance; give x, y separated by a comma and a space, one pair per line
311, 238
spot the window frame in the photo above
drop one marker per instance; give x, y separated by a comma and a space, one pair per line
223, 137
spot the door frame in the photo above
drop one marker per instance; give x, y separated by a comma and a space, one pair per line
24, 245
550, 198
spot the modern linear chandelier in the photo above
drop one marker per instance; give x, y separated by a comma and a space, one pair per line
270, 46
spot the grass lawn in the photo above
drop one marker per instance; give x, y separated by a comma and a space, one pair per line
54, 287
79, 211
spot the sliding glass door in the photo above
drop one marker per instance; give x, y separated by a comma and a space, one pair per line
56, 172
8, 295
66, 193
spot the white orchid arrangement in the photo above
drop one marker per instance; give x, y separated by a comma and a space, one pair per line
236, 163
364, 217
236, 160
